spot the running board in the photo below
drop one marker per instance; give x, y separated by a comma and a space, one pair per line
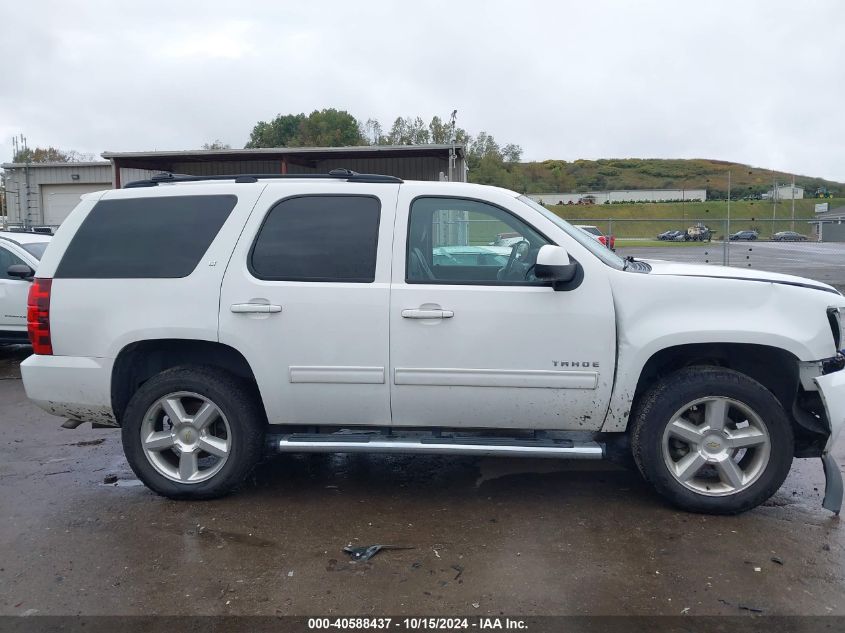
480, 446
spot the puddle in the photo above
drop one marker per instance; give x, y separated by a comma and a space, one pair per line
492, 468
124, 483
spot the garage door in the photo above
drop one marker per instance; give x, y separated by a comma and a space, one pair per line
59, 200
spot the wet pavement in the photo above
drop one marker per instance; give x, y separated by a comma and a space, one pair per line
489, 536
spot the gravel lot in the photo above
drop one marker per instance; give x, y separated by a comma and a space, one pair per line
490, 536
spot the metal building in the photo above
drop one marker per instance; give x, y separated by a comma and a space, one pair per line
409, 162
44, 193
785, 192
622, 195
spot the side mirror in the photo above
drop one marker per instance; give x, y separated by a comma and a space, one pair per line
20, 271
553, 264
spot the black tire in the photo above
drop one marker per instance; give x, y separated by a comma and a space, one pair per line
233, 397
655, 409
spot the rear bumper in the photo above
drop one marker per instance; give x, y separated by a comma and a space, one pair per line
832, 389
74, 387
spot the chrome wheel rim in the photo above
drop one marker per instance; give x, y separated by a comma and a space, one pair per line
186, 437
716, 446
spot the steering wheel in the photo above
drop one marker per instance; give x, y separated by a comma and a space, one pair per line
518, 252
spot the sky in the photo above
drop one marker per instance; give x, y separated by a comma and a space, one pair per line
759, 82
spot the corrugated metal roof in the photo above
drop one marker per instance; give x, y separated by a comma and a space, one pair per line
359, 150
68, 165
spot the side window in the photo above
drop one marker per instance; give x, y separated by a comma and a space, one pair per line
318, 238
451, 240
145, 238
7, 258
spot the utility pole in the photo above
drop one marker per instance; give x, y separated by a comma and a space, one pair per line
452, 150
774, 202
726, 256
793, 203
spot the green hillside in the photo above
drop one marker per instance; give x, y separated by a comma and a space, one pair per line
644, 220
553, 176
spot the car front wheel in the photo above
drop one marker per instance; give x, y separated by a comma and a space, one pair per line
712, 440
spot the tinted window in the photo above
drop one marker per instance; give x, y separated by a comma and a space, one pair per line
318, 238
36, 249
7, 258
452, 240
145, 237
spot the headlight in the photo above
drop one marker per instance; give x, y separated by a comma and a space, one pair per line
834, 317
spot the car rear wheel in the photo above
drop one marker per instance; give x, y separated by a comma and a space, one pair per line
712, 440
193, 433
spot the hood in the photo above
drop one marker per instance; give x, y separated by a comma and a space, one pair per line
661, 267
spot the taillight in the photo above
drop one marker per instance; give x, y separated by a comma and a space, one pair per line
38, 316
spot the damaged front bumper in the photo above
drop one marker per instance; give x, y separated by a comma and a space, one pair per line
832, 389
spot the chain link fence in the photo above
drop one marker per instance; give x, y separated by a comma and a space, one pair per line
705, 240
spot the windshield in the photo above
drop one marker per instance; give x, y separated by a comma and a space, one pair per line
603, 253
590, 229
36, 249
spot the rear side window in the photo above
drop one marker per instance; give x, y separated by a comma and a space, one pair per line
318, 238
145, 238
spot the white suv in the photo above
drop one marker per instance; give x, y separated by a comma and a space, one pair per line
19, 255
210, 317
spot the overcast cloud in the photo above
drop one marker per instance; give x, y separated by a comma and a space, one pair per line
759, 82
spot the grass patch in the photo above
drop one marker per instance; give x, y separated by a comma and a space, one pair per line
647, 220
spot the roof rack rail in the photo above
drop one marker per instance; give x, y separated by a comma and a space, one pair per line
341, 174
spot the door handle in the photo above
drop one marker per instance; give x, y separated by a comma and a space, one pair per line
255, 308
427, 314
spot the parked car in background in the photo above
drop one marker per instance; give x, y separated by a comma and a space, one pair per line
673, 236
507, 239
744, 235
593, 231
699, 233
789, 236
20, 253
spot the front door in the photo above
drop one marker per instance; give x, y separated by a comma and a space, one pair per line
305, 298
13, 294
476, 340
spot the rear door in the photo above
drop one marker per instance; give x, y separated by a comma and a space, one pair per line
305, 298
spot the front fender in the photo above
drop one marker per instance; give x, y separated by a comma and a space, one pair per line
658, 312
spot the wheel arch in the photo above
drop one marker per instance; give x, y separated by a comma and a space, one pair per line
139, 361
761, 362
773, 367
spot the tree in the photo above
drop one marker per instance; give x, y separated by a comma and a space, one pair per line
322, 128
511, 153
216, 144
329, 128
372, 132
50, 155
439, 132
277, 133
407, 131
